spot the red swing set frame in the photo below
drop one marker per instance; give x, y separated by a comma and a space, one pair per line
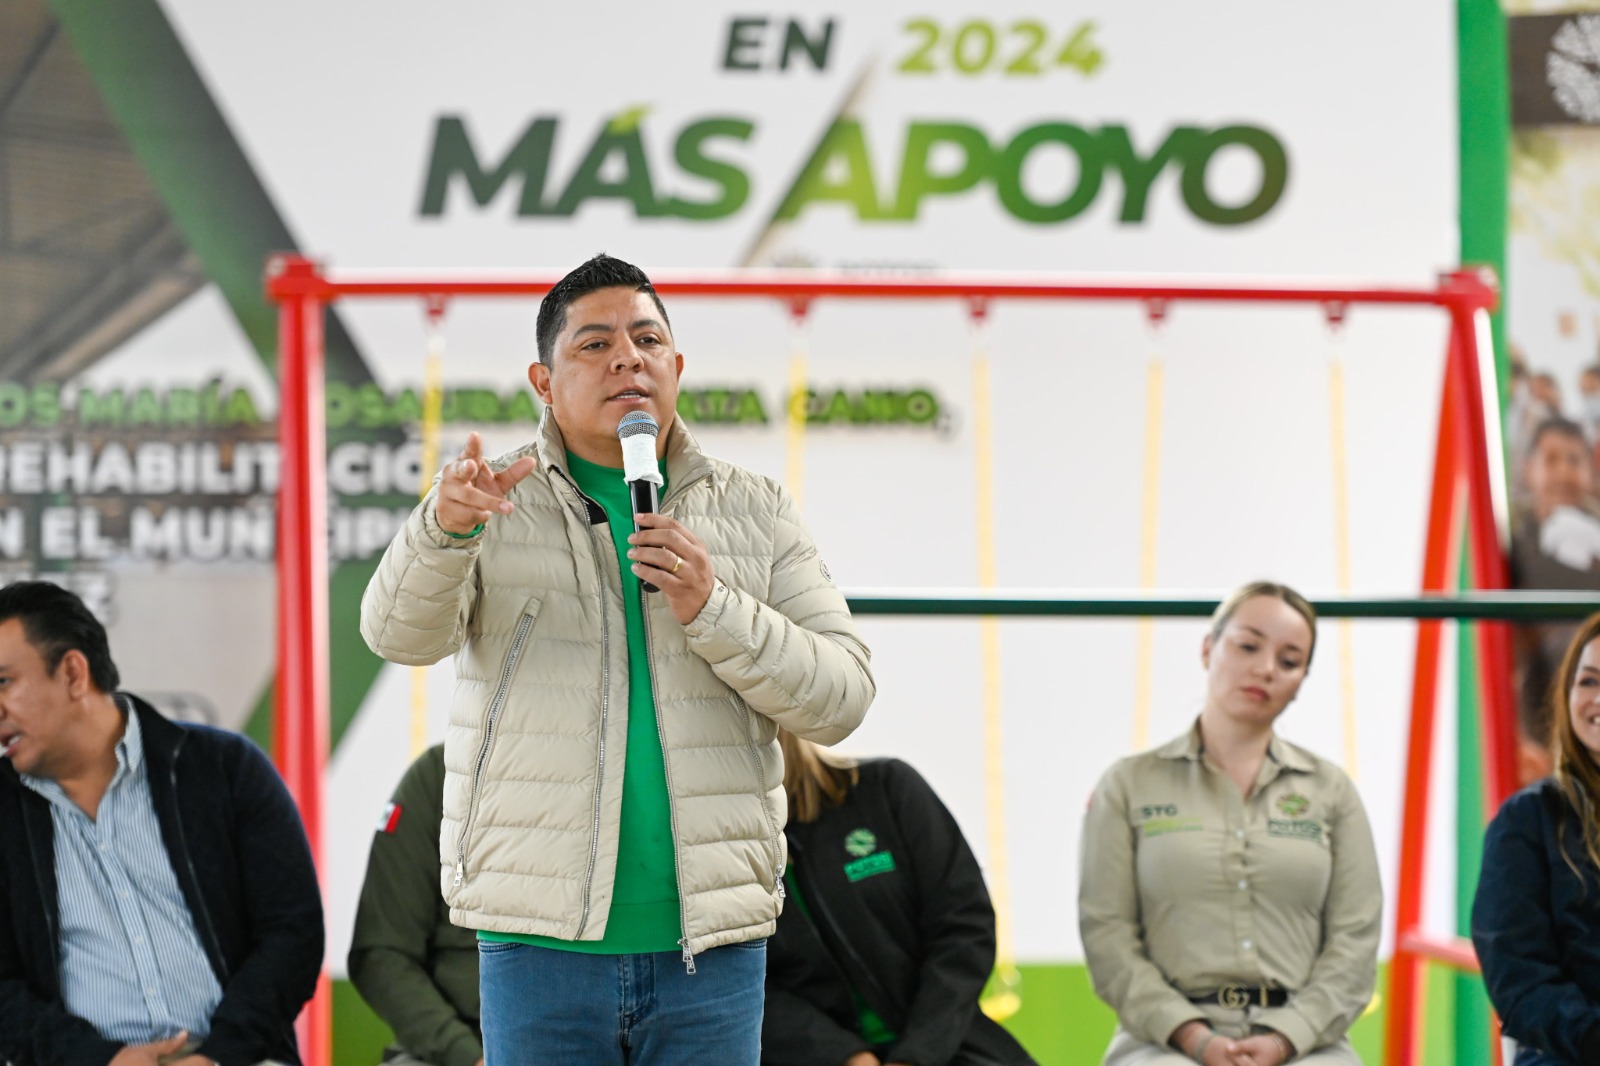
1468, 484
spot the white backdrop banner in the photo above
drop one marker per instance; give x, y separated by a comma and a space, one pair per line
911, 139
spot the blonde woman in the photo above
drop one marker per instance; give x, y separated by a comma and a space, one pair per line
887, 936
1536, 917
1229, 902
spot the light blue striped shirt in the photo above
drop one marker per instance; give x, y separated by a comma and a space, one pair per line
131, 961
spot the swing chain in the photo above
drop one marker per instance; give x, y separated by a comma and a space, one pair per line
435, 305
1155, 311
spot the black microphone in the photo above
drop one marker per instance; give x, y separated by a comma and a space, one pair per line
638, 432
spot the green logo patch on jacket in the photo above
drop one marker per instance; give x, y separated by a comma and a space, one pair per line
869, 866
861, 842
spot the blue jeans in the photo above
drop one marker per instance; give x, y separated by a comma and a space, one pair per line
541, 1005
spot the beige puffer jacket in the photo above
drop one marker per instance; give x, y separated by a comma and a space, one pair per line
532, 610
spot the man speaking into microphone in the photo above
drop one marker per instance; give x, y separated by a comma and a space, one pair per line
613, 800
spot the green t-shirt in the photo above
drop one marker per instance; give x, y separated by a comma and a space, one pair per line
644, 913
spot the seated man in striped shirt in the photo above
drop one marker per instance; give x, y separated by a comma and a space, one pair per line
158, 904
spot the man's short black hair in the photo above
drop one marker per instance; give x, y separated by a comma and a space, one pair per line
601, 272
55, 622
1557, 426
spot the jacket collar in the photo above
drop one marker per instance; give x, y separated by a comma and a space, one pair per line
685, 461
1188, 746
162, 737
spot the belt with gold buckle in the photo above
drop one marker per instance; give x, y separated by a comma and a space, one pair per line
1238, 997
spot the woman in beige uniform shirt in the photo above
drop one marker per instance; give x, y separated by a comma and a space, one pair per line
1229, 902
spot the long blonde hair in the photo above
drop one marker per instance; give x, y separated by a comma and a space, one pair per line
1576, 772
813, 776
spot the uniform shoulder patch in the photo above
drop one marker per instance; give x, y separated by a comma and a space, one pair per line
391, 818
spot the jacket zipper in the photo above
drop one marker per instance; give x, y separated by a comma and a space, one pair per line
755, 755
761, 793
666, 763
812, 922
605, 702
672, 807
48, 898
488, 741
866, 979
188, 861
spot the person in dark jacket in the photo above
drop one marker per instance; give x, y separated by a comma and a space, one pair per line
887, 936
158, 902
1536, 917
412, 966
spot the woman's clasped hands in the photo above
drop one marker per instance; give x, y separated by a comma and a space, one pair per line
1205, 1045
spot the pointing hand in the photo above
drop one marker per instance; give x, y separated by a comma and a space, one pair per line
471, 492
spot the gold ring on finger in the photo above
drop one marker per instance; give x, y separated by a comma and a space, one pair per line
677, 565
